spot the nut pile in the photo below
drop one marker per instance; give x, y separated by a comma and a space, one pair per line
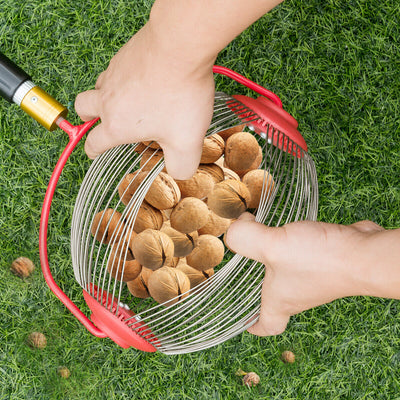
175, 243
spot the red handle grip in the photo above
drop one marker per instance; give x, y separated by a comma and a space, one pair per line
248, 83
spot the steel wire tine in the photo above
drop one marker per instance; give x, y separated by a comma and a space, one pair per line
282, 170
303, 198
114, 165
314, 188
91, 181
226, 284
138, 198
108, 173
268, 193
218, 337
85, 210
213, 287
215, 336
293, 199
129, 215
221, 314
75, 220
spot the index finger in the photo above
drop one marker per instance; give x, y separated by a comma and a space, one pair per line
87, 105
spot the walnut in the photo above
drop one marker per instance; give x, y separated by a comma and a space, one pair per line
214, 170
189, 215
256, 164
215, 225
251, 379
208, 253
152, 144
288, 357
147, 217
184, 243
107, 225
150, 158
37, 340
163, 193
195, 276
225, 134
199, 185
258, 181
121, 263
229, 174
168, 285
64, 372
139, 286
241, 151
213, 148
129, 184
22, 267
153, 249
229, 199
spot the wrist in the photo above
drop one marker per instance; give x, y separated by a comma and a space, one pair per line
175, 47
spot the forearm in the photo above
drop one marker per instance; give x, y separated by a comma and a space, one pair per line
381, 269
197, 30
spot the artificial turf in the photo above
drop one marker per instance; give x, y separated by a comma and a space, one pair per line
335, 65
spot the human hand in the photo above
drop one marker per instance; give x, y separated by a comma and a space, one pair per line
147, 93
307, 264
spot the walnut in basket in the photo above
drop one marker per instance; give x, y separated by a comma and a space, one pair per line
189, 215
229, 199
168, 285
184, 243
208, 253
153, 249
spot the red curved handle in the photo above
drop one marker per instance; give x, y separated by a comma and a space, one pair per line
75, 133
248, 83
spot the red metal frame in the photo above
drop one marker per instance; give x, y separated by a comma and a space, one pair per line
75, 134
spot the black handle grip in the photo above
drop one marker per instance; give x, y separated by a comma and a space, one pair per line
11, 77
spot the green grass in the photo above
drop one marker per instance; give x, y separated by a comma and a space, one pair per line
335, 65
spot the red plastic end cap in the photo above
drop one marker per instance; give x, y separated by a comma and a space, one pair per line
275, 116
116, 327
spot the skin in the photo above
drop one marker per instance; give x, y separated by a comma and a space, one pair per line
159, 86
313, 263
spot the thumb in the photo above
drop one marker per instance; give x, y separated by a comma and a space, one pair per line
181, 163
252, 239
269, 324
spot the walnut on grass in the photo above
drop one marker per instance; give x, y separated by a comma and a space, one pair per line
22, 267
